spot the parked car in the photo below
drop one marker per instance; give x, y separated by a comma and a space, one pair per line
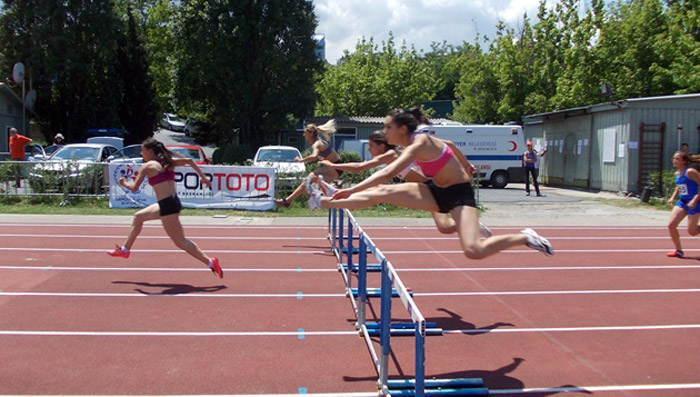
281, 158
191, 127
172, 122
75, 166
192, 151
130, 154
34, 152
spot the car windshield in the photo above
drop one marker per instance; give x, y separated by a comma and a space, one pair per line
187, 152
172, 117
277, 155
76, 153
129, 152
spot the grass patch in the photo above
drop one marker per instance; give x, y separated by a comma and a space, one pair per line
657, 203
54, 205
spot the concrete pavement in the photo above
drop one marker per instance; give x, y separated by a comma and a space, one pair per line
503, 207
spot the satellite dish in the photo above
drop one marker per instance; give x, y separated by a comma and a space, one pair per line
18, 72
30, 100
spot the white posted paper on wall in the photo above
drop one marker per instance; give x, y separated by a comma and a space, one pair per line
609, 140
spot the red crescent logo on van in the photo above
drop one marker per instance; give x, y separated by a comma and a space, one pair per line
515, 146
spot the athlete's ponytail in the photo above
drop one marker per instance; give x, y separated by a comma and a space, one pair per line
163, 155
325, 130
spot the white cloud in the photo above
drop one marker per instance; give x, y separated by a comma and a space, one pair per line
418, 22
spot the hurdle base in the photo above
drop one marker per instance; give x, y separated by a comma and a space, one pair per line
371, 268
439, 387
377, 292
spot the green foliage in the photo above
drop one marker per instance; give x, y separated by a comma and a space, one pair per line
372, 81
663, 184
232, 153
246, 65
70, 49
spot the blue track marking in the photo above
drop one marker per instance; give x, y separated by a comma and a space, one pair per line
300, 295
300, 333
302, 390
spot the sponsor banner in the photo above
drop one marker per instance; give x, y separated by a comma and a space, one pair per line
232, 187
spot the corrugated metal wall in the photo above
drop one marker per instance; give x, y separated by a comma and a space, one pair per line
577, 142
611, 176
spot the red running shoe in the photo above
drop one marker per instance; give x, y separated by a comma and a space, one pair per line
216, 268
119, 253
675, 254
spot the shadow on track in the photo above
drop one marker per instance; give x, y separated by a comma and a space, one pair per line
171, 289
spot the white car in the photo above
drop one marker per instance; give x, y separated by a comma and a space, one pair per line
281, 158
172, 122
78, 164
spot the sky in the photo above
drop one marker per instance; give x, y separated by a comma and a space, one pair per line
418, 22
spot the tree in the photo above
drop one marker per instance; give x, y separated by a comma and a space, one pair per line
138, 110
372, 81
70, 50
246, 65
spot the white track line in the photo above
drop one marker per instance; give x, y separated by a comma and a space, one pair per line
166, 269
297, 295
263, 238
121, 236
589, 389
179, 334
305, 295
541, 390
308, 270
200, 334
104, 250
570, 292
573, 329
311, 252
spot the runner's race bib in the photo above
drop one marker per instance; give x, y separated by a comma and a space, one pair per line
683, 189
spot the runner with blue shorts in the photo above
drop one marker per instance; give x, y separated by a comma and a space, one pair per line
686, 193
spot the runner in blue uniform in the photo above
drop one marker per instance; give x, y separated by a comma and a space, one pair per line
687, 181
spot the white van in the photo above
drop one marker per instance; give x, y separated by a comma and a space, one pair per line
495, 150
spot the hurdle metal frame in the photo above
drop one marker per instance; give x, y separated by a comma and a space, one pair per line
391, 284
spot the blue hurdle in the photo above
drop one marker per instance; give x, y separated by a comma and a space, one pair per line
391, 286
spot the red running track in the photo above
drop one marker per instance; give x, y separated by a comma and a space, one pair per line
609, 313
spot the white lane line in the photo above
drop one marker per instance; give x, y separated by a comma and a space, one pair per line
121, 236
263, 238
307, 270
166, 269
343, 394
311, 252
337, 333
156, 226
615, 388
195, 226
188, 334
581, 292
103, 250
573, 329
295, 295
530, 251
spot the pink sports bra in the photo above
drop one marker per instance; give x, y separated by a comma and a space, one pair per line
431, 168
165, 175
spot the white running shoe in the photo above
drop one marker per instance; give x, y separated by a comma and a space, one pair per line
485, 232
326, 188
314, 200
535, 241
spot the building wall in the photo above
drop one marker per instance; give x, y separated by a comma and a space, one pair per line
567, 158
611, 176
10, 116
